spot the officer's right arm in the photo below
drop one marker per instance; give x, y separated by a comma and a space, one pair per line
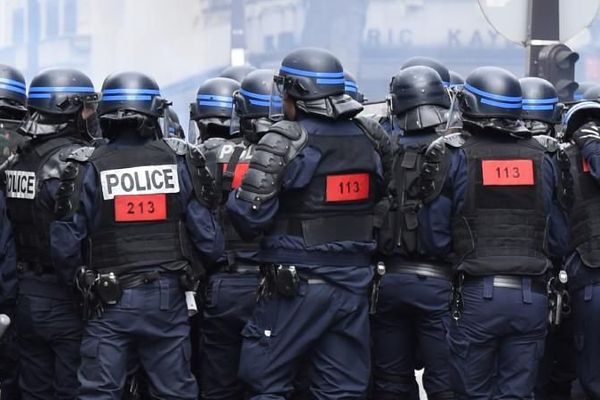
588, 139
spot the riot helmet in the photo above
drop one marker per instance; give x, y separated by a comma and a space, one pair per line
541, 109
431, 63
592, 93
581, 89
210, 114
252, 102
13, 95
352, 89
58, 99
418, 98
237, 72
131, 101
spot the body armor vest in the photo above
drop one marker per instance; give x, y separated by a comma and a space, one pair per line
338, 203
141, 213
228, 161
585, 214
29, 211
502, 227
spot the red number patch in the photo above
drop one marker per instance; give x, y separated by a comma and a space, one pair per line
238, 174
148, 207
352, 187
507, 172
585, 165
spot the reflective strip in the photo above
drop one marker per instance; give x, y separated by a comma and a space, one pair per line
213, 97
330, 81
492, 95
130, 97
541, 101
131, 91
12, 88
312, 74
12, 82
61, 89
215, 104
255, 95
500, 104
39, 95
538, 108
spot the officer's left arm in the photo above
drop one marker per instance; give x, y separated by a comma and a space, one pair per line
201, 222
589, 145
558, 230
8, 262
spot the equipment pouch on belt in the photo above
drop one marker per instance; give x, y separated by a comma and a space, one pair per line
108, 288
286, 280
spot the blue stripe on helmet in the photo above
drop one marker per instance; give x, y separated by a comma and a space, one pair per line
578, 97
255, 95
351, 89
212, 97
39, 95
580, 106
552, 100
549, 107
215, 104
501, 104
127, 97
311, 74
493, 96
12, 88
13, 82
350, 83
131, 91
328, 81
61, 89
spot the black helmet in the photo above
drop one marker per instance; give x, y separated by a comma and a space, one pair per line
131, 91
491, 92
352, 87
237, 73
214, 99
252, 104
577, 115
311, 74
456, 80
581, 89
540, 101
60, 91
13, 95
418, 98
431, 63
592, 93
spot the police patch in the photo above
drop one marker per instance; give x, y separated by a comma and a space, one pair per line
20, 184
151, 179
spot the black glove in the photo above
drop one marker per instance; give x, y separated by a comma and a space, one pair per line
585, 133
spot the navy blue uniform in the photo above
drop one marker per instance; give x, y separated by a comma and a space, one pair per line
584, 278
412, 312
328, 319
498, 340
150, 321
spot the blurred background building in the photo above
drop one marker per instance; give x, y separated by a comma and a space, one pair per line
182, 42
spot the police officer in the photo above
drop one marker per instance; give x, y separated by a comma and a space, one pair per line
351, 87
412, 306
541, 111
492, 205
237, 72
583, 135
13, 101
49, 327
311, 188
210, 114
231, 293
431, 63
141, 216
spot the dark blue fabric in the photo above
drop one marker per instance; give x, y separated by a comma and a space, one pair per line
150, 324
324, 322
8, 260
412, 316
49, 336
345, 263
497, 343
230, 300
435, 219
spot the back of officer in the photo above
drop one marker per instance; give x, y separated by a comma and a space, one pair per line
311, 188
541, 113
143, 221
49, 326
412, 305
13, 101
493, 209
210, 114
231, 293
582, 134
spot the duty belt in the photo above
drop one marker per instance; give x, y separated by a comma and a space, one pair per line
441, 271
36, 268
238, 268
134, 280
512, 282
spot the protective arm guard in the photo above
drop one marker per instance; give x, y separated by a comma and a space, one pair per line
436, 165
280, 145
202, 180
565, 192
68, 168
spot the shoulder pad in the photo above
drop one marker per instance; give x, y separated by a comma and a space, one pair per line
58, 163
548, 142
81, 154
272, 154
202, 179
455, 140
290, 129
381, 142
179, 146
565, 184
